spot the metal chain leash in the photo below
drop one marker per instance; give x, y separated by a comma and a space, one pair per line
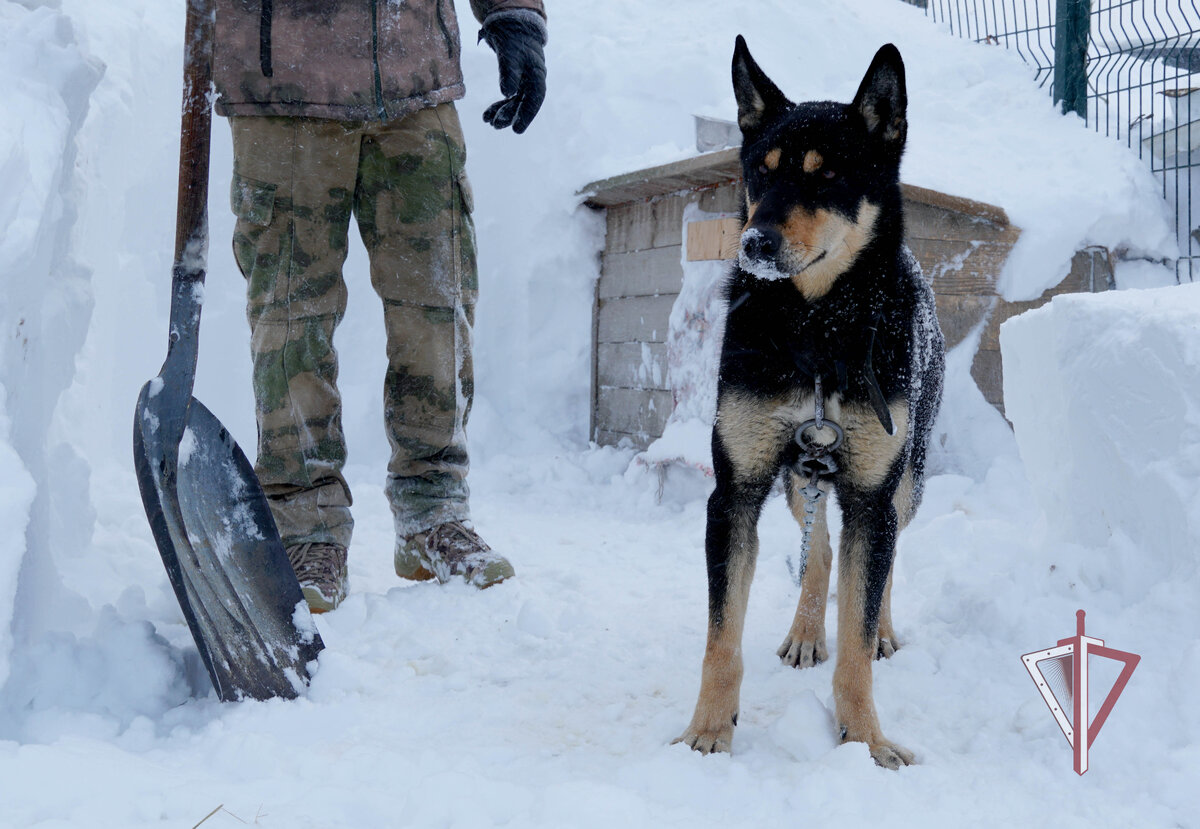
817, 463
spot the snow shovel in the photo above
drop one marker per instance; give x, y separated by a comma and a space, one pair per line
206, 508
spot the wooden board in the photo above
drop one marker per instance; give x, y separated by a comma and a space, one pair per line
958, 267
632, 366
634, 319
630, 227
668, 220
927, 221
633, 412
976, 210
988, 373
713, 239
959, 315
641, 273
726, 198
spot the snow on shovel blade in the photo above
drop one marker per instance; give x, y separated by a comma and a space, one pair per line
223, 555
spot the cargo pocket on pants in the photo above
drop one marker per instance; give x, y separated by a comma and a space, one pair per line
253, 203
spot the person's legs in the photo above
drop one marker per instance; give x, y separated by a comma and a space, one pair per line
292, 192
412, 202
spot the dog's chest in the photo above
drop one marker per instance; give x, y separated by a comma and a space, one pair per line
776, 344
760, 433
851, 433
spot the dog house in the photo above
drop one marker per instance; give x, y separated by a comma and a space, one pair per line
961, 245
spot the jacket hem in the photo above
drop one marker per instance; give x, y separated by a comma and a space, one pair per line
394, 108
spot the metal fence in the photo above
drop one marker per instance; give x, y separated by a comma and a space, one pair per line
1135, 77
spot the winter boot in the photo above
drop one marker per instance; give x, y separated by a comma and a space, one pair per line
449, 550
321, 570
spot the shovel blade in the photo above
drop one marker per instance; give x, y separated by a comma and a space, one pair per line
223, 555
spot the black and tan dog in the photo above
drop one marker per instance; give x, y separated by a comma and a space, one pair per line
825, 295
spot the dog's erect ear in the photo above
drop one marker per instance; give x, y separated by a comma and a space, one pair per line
758, 99
882, 100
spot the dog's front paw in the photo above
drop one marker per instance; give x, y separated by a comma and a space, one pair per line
707, 739
802, 652
891, 756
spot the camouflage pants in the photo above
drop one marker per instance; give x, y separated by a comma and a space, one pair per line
296, 184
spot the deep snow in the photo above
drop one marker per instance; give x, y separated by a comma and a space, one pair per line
1104, 390
551, 700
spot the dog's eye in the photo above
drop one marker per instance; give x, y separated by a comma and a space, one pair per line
763, 169
829, 174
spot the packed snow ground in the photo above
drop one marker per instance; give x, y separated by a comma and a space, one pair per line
552, 699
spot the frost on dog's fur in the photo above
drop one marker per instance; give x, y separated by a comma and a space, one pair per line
927, 370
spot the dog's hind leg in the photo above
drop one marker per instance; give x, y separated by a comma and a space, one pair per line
804, 645
887, 643
864, 561
903, 502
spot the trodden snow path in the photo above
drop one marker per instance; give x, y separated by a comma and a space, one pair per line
551, 700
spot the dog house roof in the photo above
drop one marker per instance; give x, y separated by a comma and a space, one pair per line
724, 166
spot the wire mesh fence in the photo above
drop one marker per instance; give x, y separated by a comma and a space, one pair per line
1141, 67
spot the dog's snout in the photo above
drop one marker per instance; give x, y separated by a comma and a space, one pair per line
761, 243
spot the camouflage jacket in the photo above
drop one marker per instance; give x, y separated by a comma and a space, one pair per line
344, 59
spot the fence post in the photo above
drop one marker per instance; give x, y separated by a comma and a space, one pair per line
1073, 20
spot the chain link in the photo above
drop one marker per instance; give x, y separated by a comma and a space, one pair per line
816, 461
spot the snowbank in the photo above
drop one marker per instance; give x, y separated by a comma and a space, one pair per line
47, 81
1104, 394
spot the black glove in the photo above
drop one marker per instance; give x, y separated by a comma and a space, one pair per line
517, 37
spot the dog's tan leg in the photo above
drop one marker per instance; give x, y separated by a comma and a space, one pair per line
711, 728
804, 645
747, 442
863, 565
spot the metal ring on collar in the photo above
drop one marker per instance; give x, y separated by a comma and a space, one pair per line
812, 447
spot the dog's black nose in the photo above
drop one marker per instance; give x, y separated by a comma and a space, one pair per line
761, 243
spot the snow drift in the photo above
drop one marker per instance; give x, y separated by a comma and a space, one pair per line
1103, 391
47, 80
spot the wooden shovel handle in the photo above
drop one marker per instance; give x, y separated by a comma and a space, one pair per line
191, 224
